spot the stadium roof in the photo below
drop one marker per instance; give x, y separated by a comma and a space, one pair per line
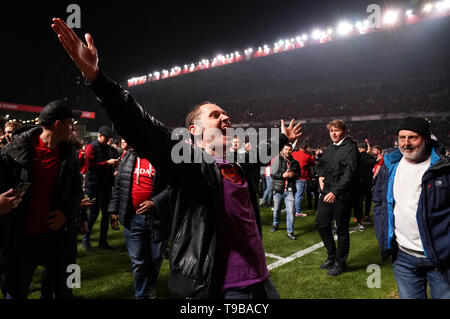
412, 51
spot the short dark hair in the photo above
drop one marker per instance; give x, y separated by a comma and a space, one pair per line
194, 112
287, 144
378, 147
339, 124
303, 147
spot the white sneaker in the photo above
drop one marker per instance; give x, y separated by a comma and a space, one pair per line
361, 227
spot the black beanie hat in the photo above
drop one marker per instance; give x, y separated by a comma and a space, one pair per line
416, 124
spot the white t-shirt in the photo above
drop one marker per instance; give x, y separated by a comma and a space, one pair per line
407, 189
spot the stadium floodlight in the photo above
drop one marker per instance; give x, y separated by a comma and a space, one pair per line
390, 17
443, 5
316, 34
304, 37
330, 31
409, 13
344, 28
428, 7
280, 43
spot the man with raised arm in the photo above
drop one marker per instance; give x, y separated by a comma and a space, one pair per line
217, 249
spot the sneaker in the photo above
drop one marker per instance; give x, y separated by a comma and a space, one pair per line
105, 245
274, 229
336, 270
360, 227
86, 245
327, 264
300, 215
291, 236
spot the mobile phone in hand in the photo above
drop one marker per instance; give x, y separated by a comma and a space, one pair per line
22, 187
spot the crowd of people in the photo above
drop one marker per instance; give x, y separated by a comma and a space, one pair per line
195, 204
412, 96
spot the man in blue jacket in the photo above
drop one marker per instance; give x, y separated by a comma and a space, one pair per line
412, 212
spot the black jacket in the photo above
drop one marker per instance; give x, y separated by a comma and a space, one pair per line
278, 168
339, 166
365, 168
121, 198
100, 178
15, 166
195, 188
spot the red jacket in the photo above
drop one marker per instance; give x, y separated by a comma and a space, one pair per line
305, 161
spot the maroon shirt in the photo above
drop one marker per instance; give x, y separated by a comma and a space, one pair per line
45, 172
240, 248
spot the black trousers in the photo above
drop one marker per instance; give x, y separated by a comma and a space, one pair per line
48, 250
360, 194
340, 211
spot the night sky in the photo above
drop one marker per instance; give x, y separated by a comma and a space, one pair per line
138, 37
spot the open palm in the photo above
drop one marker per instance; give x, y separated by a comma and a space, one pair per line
292, 132
85, 57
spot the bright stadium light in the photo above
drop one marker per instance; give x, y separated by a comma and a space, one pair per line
428, 7
304, 37
330, 31
316, 34
443, 5
344, 28
409, 13
390, 17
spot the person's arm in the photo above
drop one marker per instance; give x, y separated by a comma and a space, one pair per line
377, 198
275, 169
149, 137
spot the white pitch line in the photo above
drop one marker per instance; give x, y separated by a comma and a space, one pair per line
274, 256
301, 253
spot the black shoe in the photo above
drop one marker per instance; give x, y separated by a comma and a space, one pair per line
105, 245
291, 236
336, 270
327, 264
274, 229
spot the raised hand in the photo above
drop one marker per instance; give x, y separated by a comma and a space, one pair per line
292, 132
85, 57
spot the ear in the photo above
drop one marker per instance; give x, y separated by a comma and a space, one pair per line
195, 130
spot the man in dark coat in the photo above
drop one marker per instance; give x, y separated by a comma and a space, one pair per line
337, 174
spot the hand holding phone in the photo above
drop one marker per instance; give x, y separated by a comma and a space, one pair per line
22, 188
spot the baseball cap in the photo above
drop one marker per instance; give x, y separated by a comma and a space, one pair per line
105, 131
57, 110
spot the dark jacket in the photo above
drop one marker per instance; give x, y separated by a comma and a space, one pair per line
278, 168
100, 177
433, 211
15, 166
365, 168
339, 165
121, 198
195, 188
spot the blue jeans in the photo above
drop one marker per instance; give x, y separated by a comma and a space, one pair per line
268, 193
261, 290
288, 197
145, 254
412, 275
301, 189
